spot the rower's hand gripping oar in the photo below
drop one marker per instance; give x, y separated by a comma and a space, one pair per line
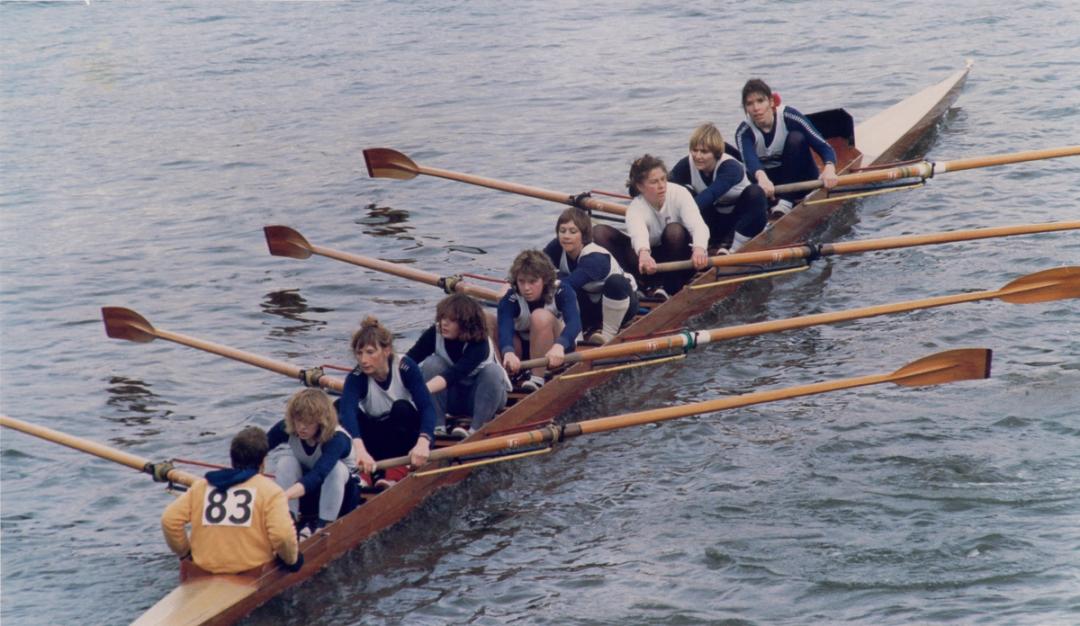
1054, 284
928, 169
936, 369
121, 323
162, 472
812, 252
285, 241
389, 163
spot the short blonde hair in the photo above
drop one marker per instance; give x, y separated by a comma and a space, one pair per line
311, 405
708, 136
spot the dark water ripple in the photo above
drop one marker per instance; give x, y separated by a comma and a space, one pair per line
142, 150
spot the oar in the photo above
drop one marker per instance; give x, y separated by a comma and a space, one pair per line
121, 323
929, 169
284, 241
943, 367
1053, 284
777, 255
161, 472
389, 163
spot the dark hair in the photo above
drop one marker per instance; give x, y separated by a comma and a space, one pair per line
534, 264
755, 85
468, 314
372, 333
580, 219
248, 448
639, 171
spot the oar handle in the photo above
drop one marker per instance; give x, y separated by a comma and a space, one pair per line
569, 359
94, 448
923, 169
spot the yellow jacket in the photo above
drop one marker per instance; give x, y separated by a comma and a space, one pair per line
232, 530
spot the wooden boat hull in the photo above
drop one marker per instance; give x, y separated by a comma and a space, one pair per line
886, 136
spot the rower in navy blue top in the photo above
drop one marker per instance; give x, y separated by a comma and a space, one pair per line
316, 474
537, 317
734, 209
775, 141
606, 294
385, 404
458, 361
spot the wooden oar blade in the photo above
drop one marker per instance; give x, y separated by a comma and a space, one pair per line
121, 323
284, 241
389, 163
945, 367
1060, 283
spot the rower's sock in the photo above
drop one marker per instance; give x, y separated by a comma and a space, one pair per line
614, 312
738, 241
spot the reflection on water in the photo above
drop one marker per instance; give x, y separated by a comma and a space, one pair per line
383, 221
137, 406
289, 304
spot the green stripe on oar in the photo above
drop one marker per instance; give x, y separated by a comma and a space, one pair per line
1045, 286
121, 323
793, 253
285, 241
929, 169
389, 163
161, 472
936, 369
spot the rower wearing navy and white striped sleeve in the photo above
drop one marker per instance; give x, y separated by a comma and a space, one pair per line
776, 140
458, 362
385, 404
606, 294
731, 206
317, 471
538, 317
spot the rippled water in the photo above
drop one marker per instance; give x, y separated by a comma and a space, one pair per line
144, 147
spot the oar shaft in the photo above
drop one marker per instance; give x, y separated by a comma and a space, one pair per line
676, 342
869, 245
266, 363
525, 190
397, 269
926, 169
1005, 159
507, 443
91, 447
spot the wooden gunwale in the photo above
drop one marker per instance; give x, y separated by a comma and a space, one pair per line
888, 135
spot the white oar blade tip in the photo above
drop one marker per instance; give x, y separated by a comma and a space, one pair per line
945, 367
123, 323
285, 241
389, 163
1059, 283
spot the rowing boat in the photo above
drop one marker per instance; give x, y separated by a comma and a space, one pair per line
205, 599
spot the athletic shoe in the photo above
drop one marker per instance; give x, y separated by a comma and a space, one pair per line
659, 294
384, 483
460, 432
440, 431
534, 383
782, 208
597, 338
